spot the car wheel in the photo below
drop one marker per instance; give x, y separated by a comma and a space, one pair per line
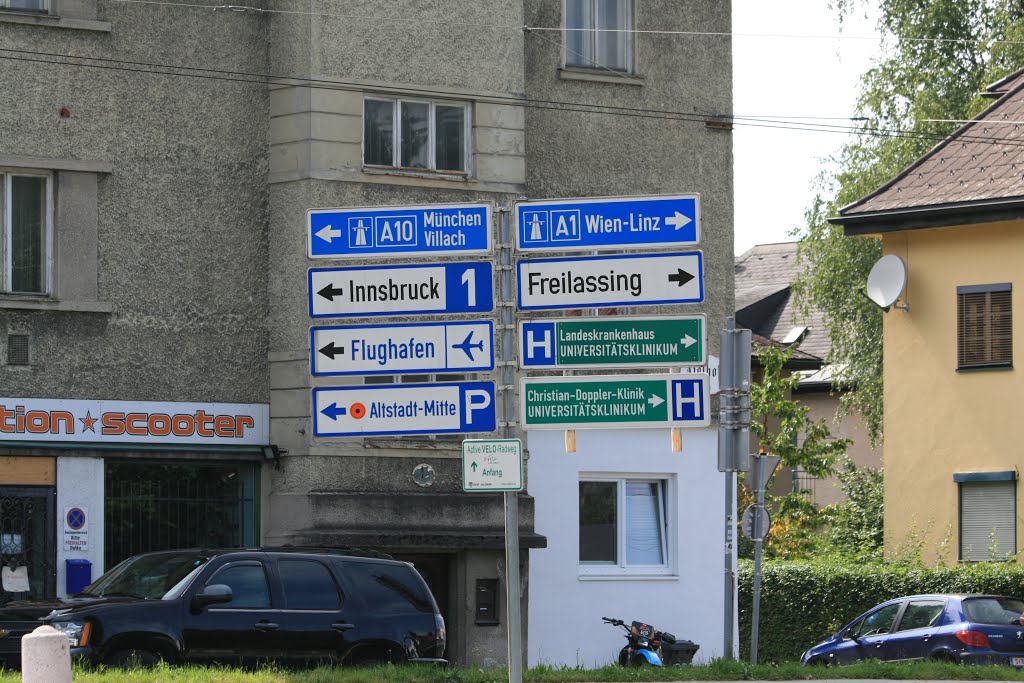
944, 657
133, 659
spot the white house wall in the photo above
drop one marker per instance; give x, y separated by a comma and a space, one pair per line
565, 609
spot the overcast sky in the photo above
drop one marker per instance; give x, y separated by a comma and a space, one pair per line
787, 77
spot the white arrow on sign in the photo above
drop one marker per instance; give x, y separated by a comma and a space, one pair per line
327, 233
687, 341
677, 221
655, 400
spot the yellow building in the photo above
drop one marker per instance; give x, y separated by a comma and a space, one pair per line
953, 399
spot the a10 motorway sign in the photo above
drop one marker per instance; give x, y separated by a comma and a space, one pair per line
612, 342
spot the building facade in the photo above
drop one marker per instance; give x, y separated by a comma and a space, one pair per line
156, 180
953, 219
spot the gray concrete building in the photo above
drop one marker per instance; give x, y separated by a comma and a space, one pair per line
157, 160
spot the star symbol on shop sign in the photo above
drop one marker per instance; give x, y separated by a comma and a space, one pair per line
88, 422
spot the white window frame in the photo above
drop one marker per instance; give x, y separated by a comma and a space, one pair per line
6, 236
595, 38
666, 517
396, 136
47, 8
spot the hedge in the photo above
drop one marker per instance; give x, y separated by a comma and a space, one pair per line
802, 603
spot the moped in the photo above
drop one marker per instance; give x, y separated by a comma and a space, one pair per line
643, 643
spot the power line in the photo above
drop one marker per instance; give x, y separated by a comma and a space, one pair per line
557, 105
528, 29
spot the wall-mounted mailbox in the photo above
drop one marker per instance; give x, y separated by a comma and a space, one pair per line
487, 602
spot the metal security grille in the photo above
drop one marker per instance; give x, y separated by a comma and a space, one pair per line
151, 506
27, 540
17, 349
984, 329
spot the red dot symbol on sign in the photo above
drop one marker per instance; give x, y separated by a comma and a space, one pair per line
357, 410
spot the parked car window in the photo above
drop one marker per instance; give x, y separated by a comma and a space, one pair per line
308, 585
920, 614
248, 584
879, 621
994, 610
388, 587
147, 576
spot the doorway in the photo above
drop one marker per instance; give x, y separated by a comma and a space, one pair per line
27, 543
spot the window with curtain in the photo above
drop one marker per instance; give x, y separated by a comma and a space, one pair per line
622, 525
416, 135
984, 326
598, 34
25, 207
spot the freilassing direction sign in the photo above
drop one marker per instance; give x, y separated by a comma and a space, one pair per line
397, 349
627, 280
399, 231
614, 401
456, 287
612, 342
607, 223
373, 410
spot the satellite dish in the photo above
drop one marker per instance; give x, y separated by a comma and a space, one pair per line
887, 281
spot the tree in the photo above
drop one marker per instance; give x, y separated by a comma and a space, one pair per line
784, 428
854, 526
937, 56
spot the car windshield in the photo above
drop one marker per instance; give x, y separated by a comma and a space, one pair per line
990, 610
148, 576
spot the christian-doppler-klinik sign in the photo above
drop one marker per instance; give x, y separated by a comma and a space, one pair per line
48, 419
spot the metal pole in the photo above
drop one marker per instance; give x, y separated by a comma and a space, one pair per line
758, 542
727, 381
507, 305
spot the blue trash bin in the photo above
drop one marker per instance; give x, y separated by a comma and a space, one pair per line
79, 575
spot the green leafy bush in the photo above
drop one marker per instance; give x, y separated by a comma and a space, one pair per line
803, 603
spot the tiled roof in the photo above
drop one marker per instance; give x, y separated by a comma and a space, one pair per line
983, 161
764, 302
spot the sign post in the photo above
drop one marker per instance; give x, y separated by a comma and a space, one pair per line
612, 342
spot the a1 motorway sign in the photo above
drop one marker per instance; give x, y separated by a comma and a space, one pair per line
395, 349
399, 231
627, 280
458, 287
442, 408
492, 465
608, 223
612, 341
615, 401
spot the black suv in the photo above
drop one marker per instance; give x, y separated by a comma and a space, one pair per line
243, 606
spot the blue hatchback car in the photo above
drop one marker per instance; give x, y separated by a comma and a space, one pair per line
983, 629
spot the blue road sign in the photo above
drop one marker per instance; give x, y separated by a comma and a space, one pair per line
400, 231
607, 223
443, 408
458, 287
397, 349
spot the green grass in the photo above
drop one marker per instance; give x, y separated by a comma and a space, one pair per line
719, 670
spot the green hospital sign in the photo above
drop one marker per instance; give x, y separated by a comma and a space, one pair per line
612, 342
617, 401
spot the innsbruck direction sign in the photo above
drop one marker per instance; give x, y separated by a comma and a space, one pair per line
441, 408
612, 342
607, 222
399, 231
454, 287
615, 402
626, 280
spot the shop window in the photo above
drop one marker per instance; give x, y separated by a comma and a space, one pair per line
26, 207
416, 135
598, 34
984, 326
623, 525
988, 512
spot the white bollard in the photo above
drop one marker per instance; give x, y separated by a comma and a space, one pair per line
45, 656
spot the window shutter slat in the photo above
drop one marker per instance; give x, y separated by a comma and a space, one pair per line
984, 329
987, 507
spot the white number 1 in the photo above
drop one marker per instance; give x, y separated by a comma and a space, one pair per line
469, 279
